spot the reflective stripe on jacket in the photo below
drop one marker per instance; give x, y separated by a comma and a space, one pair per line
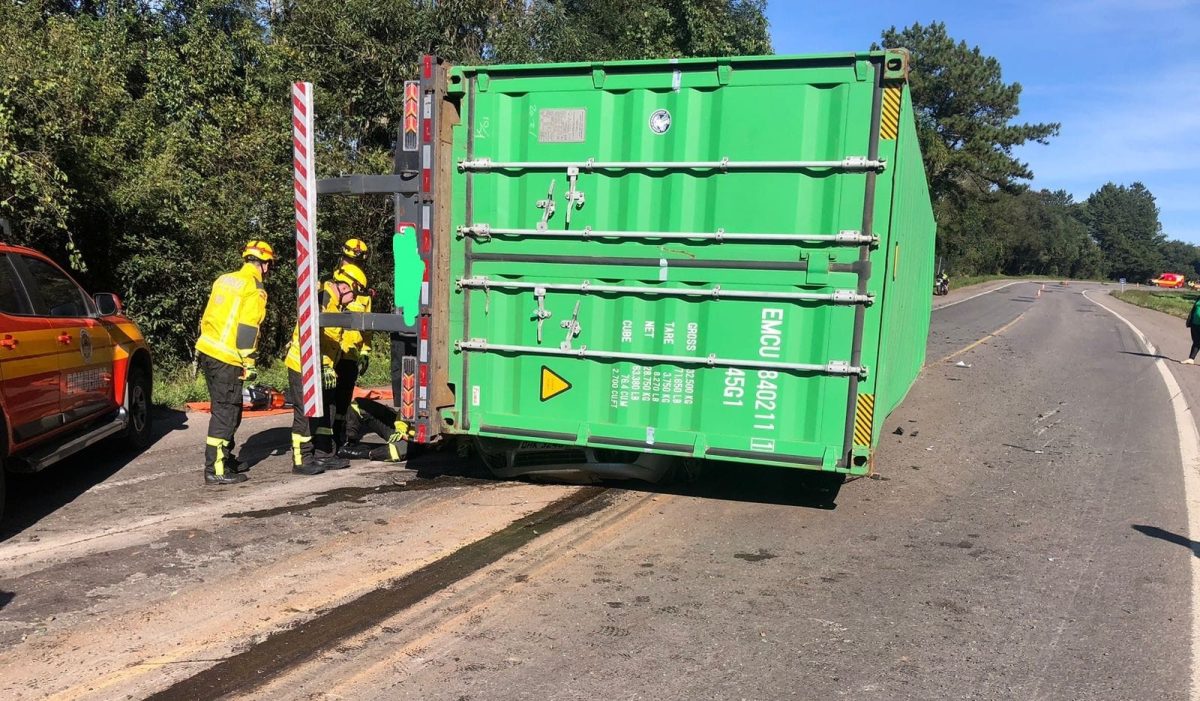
231, 320
331, 337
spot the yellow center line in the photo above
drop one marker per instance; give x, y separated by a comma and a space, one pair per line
993, 334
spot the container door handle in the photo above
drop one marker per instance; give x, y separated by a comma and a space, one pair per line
547, 207
574, 197
9, 342
572, 326
64, 338
541, 313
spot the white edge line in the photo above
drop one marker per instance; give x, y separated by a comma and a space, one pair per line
1189, 454
980, 294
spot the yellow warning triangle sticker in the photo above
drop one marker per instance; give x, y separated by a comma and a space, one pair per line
552, 384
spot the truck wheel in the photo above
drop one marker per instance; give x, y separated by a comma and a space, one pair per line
137, 394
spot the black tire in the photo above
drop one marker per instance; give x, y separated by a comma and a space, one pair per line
137, 389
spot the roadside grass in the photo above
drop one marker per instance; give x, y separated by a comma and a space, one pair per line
968, 280
175, 386
1174, 302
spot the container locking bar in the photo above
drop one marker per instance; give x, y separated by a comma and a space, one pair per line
484, 232
714, 292
541, 313
833, 367
850, 163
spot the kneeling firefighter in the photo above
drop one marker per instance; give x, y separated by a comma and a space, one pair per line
312, 438
378, 419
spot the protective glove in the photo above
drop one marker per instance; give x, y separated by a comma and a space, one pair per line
329, 377
364, 362
402, 432
249, 374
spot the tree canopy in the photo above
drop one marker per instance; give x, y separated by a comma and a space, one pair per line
146, 141
964, 114
989, 221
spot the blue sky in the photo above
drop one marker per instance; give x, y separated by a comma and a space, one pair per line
1123, 79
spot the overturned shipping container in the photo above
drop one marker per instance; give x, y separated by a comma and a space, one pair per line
722, 258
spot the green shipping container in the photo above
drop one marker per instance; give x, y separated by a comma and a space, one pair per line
724, 258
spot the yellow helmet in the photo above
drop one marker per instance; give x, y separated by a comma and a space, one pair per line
355, 249
352, 275
258, 250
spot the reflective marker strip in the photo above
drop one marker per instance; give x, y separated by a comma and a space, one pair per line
304, 182
889, 117
864, 416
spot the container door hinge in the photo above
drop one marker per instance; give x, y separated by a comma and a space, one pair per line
841, 367
541, 313
724, 72
862, 71
818, 270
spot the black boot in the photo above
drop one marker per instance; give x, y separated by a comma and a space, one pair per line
332, 462
354, 451
227, 478
308, 467
237, 465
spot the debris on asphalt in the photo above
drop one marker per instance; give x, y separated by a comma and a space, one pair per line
962, 364
899, 431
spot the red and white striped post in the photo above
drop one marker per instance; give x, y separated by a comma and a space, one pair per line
304, 180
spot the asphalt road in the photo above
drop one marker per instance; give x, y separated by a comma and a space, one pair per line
1025, 537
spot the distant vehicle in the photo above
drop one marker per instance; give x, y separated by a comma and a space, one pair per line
1169, 280
73, 368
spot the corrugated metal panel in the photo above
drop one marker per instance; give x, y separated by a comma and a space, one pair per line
907, 301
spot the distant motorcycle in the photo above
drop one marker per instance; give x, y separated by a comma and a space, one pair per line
941, 284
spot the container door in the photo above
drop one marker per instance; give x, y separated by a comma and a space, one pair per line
665, 257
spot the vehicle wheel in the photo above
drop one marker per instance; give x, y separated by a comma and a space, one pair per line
138, 402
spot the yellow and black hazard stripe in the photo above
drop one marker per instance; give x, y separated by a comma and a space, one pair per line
864, 416
889, 117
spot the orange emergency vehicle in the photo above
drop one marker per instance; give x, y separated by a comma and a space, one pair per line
73, 368
1169, 280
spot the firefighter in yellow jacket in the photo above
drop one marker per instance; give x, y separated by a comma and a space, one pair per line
356, 345
312, 438
226, 353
